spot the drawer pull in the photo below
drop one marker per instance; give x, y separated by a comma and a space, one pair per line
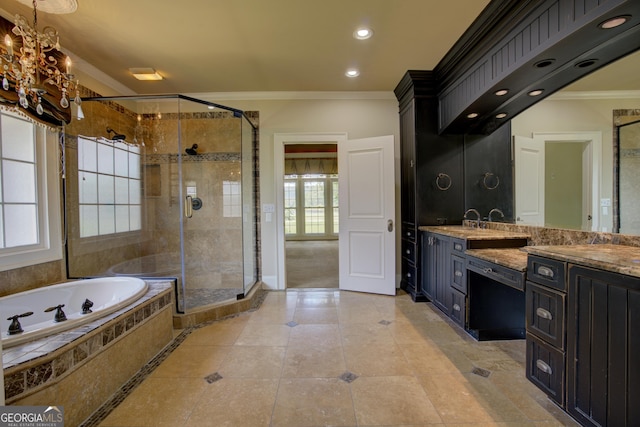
487, 270
458, 273
544, 367
456, 307
408, 251
408, 274
408, 233
457, 247
545, 314
545, 271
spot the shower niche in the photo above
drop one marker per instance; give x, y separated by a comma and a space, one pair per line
163, 187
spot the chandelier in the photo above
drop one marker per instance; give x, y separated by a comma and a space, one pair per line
32, 65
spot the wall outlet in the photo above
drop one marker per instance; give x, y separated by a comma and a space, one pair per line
268, 208
605, 202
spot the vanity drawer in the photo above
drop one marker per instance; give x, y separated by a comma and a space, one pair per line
409, 231
504, 275
458, 311
545, 367
458, 246
409, 250
545, 311
409, 273
458, 274
546, 271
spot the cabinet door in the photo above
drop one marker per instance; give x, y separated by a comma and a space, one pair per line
408, 163
442, 270
428, 266
435, 263
603, 348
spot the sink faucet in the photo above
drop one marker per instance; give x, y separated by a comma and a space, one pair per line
478, 217
496, 210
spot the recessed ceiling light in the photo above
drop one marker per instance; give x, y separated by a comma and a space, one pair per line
535, 92
544, 63
501, 115
210, 107
614, 22
352, 72
472, 115
145, 74
586, 63
501, 92
363, 33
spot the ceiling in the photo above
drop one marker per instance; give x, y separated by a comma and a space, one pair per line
203, 46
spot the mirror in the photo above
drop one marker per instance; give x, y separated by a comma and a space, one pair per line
582, 112
627, 153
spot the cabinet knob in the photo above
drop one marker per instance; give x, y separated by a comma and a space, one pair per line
542, 365
487, 270
544, 314
456, 307
407, 251
408, 274
458, 273
457, 247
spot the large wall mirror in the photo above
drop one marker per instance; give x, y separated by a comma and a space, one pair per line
567, 168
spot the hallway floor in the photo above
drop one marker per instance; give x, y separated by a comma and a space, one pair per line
329, 357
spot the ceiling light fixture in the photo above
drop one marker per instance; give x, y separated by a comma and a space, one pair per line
352, 72
614, 22
472, 115
501, 92
363, 33
536, 92
501, 115
146, 74
35, 63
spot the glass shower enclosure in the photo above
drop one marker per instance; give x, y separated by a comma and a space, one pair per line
163, 187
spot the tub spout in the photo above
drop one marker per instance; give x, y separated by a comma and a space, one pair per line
15, 327
86, 306
60, 316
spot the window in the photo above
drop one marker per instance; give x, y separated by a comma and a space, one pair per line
29, 194
311, 206
231, 199
109, 187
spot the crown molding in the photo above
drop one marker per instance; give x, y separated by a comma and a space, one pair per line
609, 94
287, 96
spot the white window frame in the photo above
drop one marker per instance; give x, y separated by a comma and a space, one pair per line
50, 243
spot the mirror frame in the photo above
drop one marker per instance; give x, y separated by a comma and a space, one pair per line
620, 118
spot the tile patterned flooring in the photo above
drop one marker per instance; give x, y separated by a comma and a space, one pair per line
334, 358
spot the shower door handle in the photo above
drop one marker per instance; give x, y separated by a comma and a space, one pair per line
188, 207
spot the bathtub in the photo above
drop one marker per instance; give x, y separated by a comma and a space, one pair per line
108, 295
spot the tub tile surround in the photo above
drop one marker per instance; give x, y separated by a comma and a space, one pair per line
35, 365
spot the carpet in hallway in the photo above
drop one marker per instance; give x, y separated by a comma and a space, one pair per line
312, 263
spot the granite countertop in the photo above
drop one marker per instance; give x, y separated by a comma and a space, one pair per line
472, 233
616, 258
514, 258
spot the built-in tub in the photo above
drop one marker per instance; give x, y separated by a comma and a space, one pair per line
107, 294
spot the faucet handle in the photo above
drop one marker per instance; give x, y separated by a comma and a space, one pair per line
15, 327
59, 316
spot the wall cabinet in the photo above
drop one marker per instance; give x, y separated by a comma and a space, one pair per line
432, 187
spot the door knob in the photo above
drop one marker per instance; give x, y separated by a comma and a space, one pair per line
390, 225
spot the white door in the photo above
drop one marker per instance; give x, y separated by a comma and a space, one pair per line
529, 172
367, 215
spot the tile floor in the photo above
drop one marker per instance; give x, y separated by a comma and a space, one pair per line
326, 357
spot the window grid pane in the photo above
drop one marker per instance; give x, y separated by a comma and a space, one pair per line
290, 207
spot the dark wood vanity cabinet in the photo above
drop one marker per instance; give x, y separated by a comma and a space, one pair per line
436, 256
603, 348
583, 340
432, 187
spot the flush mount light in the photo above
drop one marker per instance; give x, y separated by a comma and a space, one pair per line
614, 22
501, 92
536, 92
501, 115
352, 72
472, 115
363, 33
145, 74
544, 63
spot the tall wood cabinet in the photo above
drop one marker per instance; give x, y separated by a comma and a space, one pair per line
432, 185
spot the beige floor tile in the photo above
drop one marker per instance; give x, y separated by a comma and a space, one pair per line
313, 402
273, 315
192, 362
391, 401
365, 333
427, 359
318, 299
253, 362
235, 402
320, 315
359, 314
224, 332
314, 361
264, 335
310, 335
158, 402
374, 360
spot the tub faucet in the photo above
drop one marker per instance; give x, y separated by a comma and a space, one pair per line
496, 210
86, 306
15, 327
475, 212
60, 316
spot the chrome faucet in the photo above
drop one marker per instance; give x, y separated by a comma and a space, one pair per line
478, 217
496, 210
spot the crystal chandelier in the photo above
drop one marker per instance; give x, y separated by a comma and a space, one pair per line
33, 67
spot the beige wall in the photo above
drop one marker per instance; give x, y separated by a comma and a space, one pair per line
571, 115
375, 115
